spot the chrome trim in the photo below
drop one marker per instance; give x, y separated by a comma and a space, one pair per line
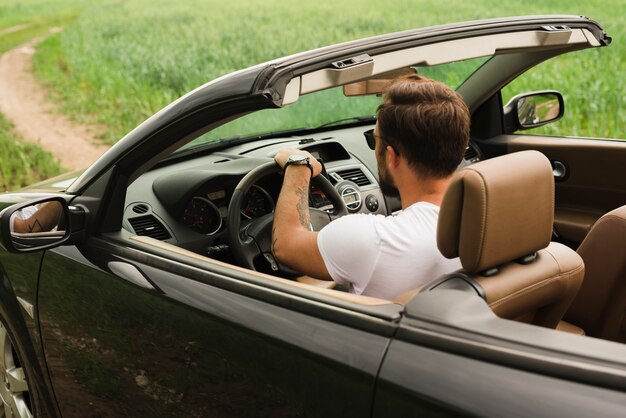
28, 307
130, 273
559, 170
348, 191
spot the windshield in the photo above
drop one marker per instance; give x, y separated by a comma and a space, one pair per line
327, 106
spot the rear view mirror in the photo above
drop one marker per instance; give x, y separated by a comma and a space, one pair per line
530, 110
35, 225
375, 84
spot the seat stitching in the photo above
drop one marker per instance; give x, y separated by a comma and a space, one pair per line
535, 286
481, 238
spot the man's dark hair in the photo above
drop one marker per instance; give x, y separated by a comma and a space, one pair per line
425, 121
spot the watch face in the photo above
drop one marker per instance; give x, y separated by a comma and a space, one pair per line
298, 158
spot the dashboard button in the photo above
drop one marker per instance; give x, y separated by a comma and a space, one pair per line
371, 203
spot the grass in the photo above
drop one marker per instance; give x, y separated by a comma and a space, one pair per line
23, 20
15, 12
122, 61
33, 29
22, 163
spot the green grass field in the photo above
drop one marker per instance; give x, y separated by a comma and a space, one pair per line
121, 61
22, 163
21, 20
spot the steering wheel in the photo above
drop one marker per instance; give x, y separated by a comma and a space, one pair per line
252, 238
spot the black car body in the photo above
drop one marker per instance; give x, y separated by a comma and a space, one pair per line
102, 321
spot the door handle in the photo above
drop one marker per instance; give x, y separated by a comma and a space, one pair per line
559, 170
130, 273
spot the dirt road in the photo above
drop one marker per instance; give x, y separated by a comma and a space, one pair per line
23, 101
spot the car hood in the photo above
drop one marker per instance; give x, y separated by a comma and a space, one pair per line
55, 184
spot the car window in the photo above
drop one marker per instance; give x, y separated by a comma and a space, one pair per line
310, 110
592, 102
327, 106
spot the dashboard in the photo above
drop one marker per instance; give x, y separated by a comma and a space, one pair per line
186, 202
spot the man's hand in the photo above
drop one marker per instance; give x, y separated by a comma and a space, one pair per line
284, 154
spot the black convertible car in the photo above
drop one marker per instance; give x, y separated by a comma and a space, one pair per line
155, 293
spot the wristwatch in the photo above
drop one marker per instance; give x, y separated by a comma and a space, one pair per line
298, 159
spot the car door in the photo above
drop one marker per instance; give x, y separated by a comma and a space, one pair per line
145, 331
452, 356
130, 328
587, 179
587, 155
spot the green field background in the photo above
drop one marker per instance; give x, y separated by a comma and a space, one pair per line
118, 62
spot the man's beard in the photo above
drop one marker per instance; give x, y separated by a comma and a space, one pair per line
387, 185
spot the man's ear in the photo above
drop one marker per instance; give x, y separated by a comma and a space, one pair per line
391, 157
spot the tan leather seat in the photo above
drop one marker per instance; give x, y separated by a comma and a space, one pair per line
600, 306
497, 216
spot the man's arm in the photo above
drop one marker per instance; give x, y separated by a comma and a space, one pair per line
44, 219
293, 242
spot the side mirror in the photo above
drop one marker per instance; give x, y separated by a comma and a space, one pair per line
530, 110
36, 225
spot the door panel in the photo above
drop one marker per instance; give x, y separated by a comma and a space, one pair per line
593, 182
171, 345
451, 356
440, 384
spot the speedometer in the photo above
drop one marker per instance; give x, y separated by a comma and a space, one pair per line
202, 215
257, 202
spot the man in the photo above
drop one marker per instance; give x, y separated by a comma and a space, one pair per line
420, 138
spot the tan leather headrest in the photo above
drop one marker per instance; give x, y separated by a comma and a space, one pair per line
497, 210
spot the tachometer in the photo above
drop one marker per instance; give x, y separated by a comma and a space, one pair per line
257, 202
202, 215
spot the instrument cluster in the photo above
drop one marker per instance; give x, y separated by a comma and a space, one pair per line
207, 213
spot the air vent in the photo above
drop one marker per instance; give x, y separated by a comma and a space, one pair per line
149, 226
141, 208
470, 153
354, 175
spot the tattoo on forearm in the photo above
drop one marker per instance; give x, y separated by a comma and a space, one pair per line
303, 207
274, 238
35, 226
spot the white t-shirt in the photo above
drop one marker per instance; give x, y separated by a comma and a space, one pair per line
385, 256
24, 213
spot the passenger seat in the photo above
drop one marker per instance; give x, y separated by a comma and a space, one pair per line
600, 306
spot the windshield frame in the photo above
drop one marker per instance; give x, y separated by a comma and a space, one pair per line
223, 136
